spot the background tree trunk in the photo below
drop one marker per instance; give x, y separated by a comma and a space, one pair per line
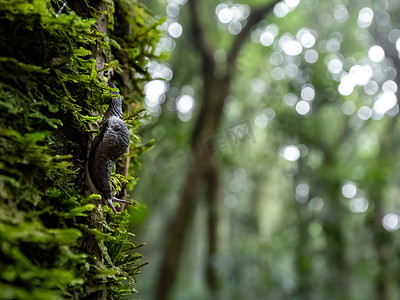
215, 90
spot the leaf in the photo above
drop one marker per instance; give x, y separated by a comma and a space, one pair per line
80, 211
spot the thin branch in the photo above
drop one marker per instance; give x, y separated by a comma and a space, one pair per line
198, 34
256, 16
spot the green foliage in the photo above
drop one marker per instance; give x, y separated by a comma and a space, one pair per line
289, 231
55, 242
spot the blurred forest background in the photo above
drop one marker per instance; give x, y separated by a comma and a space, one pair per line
275, 173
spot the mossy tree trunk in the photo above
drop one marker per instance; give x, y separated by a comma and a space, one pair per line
55, 62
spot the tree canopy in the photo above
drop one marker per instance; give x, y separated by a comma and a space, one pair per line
287, 114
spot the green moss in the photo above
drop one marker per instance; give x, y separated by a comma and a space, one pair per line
54, 242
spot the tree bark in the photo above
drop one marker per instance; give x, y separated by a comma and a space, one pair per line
211, 274
176, 231
201, 167
383, 240
215, 91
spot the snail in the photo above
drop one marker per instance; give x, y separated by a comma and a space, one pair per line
111, 142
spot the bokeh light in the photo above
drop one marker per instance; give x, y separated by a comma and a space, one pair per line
267, 38
365, 17
276, 58
306, 38
235, 27
234, 15
307, 93
389, 86
281, 9
371, 88
292, 3
358, 75
385, 102
316, 204
261, 121
303, 107
340, 13
311, 56
185, 104
175, 30
335, 66
240, 174
364, 113
391, 222
382, 18
290, 99
235, 185
359, 205
376, 54
231, 201
349, 190
154, 91
258, 85
290, 153
173, 10
225, 15
277, 73
302, 191
348, 108
292, 48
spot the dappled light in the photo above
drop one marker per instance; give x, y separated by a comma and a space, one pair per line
376, 54
302, 192
303, 107
365, 17
290, 152
175, 30
358, 75
311, 56
232, 15
391, 222
230, 201
349, 190
358, 204
340, 13
316, 203
281, 9
185, 104
276, 151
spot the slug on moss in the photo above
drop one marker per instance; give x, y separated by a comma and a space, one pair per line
111, 142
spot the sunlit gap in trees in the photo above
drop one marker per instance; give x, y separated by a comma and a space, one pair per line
233, 15
290, 52
357, 202
370, 73
261, 120
171, 26
286, 57
236, 184
182, 101
155, 90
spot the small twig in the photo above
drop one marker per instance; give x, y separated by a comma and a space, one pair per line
65, 5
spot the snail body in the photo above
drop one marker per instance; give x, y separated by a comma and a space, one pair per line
111, 142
